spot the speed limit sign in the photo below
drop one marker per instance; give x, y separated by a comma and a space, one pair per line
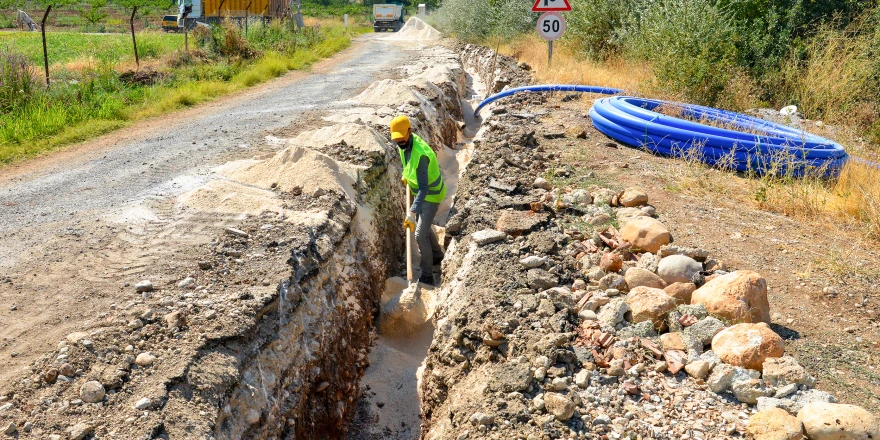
551, 26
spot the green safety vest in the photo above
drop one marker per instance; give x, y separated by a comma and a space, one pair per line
436, 187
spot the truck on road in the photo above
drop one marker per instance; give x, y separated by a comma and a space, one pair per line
388, 17
214, 11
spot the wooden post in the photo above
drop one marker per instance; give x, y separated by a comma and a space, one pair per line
45, 51
247, 12
220, 8
549, 53
137, 61
185, 36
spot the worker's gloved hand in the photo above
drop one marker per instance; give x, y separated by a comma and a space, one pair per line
403, 181
410, 221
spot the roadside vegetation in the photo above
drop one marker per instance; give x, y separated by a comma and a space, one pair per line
823, 57
96, 87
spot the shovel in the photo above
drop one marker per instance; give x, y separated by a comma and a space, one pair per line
409, 275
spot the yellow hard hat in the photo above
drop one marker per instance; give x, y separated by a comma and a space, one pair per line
399, 127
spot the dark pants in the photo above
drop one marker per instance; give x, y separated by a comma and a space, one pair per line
428, 244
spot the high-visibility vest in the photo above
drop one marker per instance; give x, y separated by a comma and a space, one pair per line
436, 187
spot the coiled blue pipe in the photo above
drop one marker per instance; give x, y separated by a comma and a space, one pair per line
758, 147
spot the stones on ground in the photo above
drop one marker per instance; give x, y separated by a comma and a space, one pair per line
831, 421
650, 304
775, 424
721, 378
646, 234
205, 265
76, 337
705, 329
187, 283
143, 403
582, 379
748, 345
10, 429
175, 319
637, 276
479, 418
675, 360
785, 370
644, 329
145, 359
612, 281
559, 406
610, 262
739, 296
588, 315
678, 269
632, 197
143, 286
50, 375
750, 390
613, 313
533, 261
541, 279
80, 431
517, 222
680, 341
91, 392
66, 370
238, 232
681, 291
487, 236
541, 183
698, 369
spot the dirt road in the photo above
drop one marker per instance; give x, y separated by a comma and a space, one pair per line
79, 228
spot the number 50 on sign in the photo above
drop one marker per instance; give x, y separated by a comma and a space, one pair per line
551, 26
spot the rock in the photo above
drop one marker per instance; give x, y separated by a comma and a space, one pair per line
832, 421
695, 253
748, 391
681, 291
786, 390
80, 431
541, 279
600, 219
796, 402
721, 378
601, 419
175, 319
66, 370
145, 359
143, 286
239, 233
626, 214
479, 418
541, 183
136, 324
636, 276
775, 424
518, 222
487, 236
610, 262
559, 406
187, 283
632, 197
640, 330
143, 404
205, 265
787, 405
781, 371
747, 345
91, 392
582, 378
76, 337
678, 269
680, 341
616, 368
705, 329
10, 429
648, 262
50, 376
646, 234
588, 315
698, 369
650, 304
675, 359
533, 261
613, 313
612, 281
739, 296
581, 197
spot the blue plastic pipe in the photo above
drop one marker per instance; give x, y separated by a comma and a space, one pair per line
748, 144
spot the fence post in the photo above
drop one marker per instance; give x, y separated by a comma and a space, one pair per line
220, 8
137, 61
247, 13
45, 51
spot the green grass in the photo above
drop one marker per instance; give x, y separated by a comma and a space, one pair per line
98, 103
64, 47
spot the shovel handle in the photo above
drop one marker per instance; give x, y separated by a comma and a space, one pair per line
409, 275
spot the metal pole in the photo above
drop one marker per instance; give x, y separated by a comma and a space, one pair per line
247, 12
185, 36
137, 61
219, 8
549, 53
45, 51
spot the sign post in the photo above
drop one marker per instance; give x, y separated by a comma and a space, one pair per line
551, 25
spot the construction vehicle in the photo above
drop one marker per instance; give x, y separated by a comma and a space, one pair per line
388, 17
169, 23
214, 11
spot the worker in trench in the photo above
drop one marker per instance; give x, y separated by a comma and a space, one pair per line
421, 173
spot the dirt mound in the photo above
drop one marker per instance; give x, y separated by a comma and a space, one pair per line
416, 29
386, 92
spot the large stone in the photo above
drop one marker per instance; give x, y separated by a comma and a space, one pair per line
681, 291
518, 222
646, 234
541, 279
832, 421
650, 304
678, 269
611, 262
739, 296
487, 236
775, 424
721, 379
145, 359
632, 197
698, 369
613, 281
559, 406
91, 392
785, 370
613, 313
749, 391
705, 329
678, 341
748, 345
636, 276
80, 431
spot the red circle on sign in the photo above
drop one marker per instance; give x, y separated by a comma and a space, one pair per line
551, 26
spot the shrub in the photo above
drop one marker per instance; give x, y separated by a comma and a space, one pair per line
477, 20
595, 28
17, 79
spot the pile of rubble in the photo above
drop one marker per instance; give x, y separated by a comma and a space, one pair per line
567, 312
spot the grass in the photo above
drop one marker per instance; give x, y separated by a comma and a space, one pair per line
91, 101
76, 51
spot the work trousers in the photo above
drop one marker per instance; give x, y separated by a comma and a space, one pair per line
429, 247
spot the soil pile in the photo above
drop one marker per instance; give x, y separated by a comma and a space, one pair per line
416, 29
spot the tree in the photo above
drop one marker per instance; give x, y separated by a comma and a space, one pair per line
94, 12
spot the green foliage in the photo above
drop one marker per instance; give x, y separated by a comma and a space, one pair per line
480, 20
93, 13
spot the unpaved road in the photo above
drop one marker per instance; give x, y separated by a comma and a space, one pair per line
79, 228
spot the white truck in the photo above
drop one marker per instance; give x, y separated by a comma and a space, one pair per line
388, 17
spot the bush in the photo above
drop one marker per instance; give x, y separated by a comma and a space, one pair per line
17, 79
595, 28
478, 20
